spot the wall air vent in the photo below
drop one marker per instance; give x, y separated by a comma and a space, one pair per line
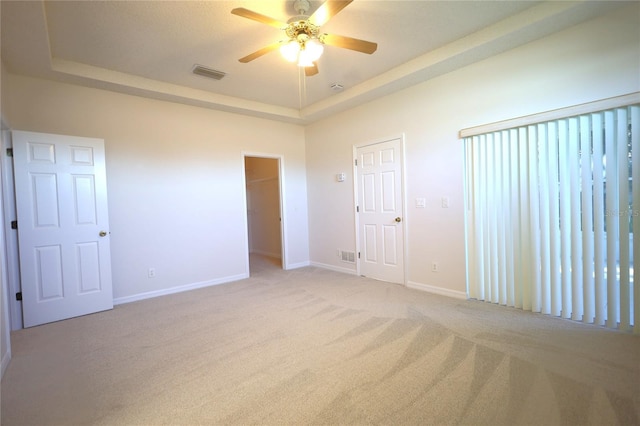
347, 256
208, 72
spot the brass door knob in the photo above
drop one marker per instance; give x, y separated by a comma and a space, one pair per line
103, 233
398, 219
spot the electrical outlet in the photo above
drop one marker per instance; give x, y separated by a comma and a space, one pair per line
152, 272
434, 267
445, 202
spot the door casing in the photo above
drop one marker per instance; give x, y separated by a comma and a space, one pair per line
11, 235
281, 204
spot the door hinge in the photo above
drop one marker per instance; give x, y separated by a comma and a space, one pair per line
19, 296
9, 152
357, 209
14, 224
356, 162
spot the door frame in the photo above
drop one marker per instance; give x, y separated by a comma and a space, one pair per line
284, 258
403, 201
11, 235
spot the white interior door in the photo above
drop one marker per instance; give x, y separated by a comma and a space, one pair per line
381, 230
63, 226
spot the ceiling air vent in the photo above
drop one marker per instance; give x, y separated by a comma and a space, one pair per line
208, 72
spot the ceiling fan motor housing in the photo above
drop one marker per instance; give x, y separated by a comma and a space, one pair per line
302, 27
301, 6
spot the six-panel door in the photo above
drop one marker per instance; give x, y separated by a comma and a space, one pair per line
63, 226
380, 204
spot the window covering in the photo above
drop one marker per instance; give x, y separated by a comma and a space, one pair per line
551, 210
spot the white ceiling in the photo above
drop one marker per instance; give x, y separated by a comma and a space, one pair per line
149, 48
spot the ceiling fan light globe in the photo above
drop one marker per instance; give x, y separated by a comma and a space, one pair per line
306, 58
290, 50
304, 62
313, 50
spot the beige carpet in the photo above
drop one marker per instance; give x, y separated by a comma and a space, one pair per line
312, 346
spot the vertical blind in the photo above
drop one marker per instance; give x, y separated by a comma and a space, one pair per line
551, 214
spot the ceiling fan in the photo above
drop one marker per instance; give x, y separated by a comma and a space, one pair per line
304, 42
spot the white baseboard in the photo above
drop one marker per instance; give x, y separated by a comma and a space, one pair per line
437, 290
297, 265
6, 358
334, 268
179, 289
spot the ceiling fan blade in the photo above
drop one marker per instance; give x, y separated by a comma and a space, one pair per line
246, 13
327, 10
311, 71
350, 43
260, 52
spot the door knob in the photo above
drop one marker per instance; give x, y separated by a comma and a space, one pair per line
103, 233
398, 219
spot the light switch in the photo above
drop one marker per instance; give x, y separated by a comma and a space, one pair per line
445, 202
421, 203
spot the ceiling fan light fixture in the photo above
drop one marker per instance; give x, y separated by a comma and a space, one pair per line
290, 50
313, 49
304, 61
303, 51
304, 43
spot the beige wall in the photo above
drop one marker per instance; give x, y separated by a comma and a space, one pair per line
595, 60
175, 180
260, 168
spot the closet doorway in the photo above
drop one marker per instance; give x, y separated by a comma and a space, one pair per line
264, 217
